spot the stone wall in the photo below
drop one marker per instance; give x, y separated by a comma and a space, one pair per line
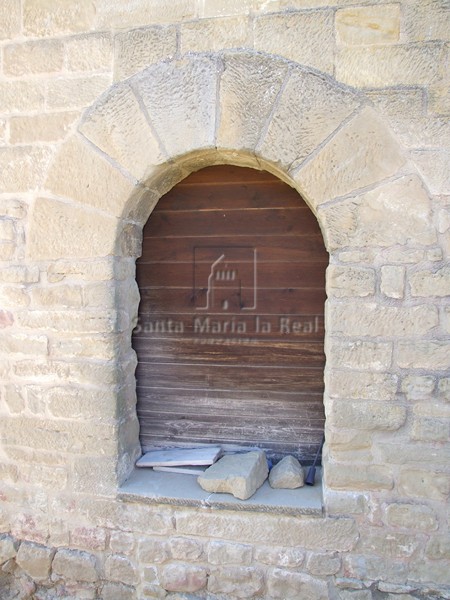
104, 106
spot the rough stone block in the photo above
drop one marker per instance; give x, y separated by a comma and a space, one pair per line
118, 591
343, 281
75, 92
35, 560
238, 582
248, 85
8, 548
20, 96
388, 544
239, 474
368, 25
424, 484
137, 49
140, 13
280, 557
183, 578
121, 569
180, 98
417, 387
70, 231
21, 343
185, 548
317, 33
438, 547
359, 477
359, 354
75, 565
411, 516
23, 168
33, 57
350, 161
432, 355
426, 20
414, 454
90, 52
393, 65
430, 429
363, 386
387, 321
10, 19
287, 474
153, 551
392, 281
208, 35
59, 296
367, 415
226, 553
288, 585
118, 127
46, 18
429, 283
323, 564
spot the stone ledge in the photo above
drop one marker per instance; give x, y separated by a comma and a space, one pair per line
153, 487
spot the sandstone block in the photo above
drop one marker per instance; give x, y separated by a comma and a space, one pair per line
14, 398
367, 25
90, 52
137, 49
7, 230
238, 582
392, 281
388, 544
411, 516
7, 251
367, 415
208, 35
366, 386
248, 85
183, 578
35, 560
387, 321
429, 283
432, 165
121, 569
239, 474
23, 167
19, 96
153, 551
45, 18
75, 565
185, 548
180, 98
413, 454
430, 429
287, 474
438, 548
359, 354
280, 557
347, 503
359, 477
323, 564
118, 127
416, 387
317, 31
20, 343
19, 274
11, 18
58, 296
226, 553
41, 128
351, 161
426, 20
33, 57
432, 355
350, 281
88, 538
75, 92
383, 66
140, 13
424, 484
288, 585
118, 591
221, 8
8, 548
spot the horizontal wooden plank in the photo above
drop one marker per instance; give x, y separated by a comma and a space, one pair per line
153, 349
234, 223
226, 174
204, 377
269, 248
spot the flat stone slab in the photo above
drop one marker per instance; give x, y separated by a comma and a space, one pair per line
179, 457
237, 474
287, 474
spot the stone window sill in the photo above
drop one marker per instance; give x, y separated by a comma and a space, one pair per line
156, 487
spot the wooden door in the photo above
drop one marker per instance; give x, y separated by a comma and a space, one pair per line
230, 333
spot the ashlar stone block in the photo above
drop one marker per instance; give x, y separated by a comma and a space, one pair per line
75, 565
90, 52
41, 128
35, 560
360, 154
418, 517
424, 484
237, 582
75, 92
46, 18
33, 57
180, 98
119, 128
279, 556
287, 585
206, 35
432, 355
248, 88
226, 553
344, 281
359, 477
183, 578
10, 19
367, 415
23, 167
428, 283
359, 354
368, 25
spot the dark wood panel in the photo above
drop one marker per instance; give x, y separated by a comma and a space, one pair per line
228, 174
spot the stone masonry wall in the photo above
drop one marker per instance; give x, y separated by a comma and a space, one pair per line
104, 106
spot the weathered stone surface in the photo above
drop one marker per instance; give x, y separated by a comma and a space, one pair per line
438, 547
413, 454
287, 474
344, 281
392, 281
215, 34
41, 128
10, 22
118, 591
180, 98
35, 560
238, 474
140, 13
280, 557
350, 162
226, 553
411, 516
359, 477
120, 568
430, 429
75, 565
367, 25
76, 92
307, 112
430, 283
432, 355
316, 49
288, 585
18, 95
44, 17
90, 52
183, 578
424, 484
237, 582
33, 57
417, 387
248, 85
8, 548
388, 544
23, 167
185, 548
366, 386
367, 415
153, 551
323, 564
359, 354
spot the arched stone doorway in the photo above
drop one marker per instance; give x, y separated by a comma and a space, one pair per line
247, 109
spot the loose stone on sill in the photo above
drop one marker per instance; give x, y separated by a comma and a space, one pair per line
237, 474
287, 474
